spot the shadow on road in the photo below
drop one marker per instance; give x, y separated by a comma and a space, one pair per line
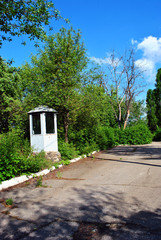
115, 215
144, 152
133, 162
130, 220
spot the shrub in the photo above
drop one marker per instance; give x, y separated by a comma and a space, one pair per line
137, 134
67, 150
157, 135
35, 163
88, 147
16, 157
9, 201
105, 137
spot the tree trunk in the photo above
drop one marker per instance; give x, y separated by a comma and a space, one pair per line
127, 117
66, 133
66, 125
119, 119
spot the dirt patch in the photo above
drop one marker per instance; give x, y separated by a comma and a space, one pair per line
88, 232
95, 231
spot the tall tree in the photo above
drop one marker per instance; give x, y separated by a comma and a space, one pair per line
9, 95
154, 104
157, 93
56, 74
123, 83
25, 17
151, 109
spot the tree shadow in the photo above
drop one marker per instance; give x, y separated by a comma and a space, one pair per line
127, 154
60, 219
148, 149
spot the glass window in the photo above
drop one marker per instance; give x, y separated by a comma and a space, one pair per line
36, 123
50, 123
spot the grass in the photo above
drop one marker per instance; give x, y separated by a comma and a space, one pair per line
9, 202
59, 174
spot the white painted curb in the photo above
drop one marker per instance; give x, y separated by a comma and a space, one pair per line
21, 179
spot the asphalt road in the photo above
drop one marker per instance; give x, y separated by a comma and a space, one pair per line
119, 188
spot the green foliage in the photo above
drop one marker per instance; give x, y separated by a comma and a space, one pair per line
64, 162
9, 201
16, 157
10, 94
35, 163
153, 101
88, 114
105, 137
59, 174
39, 181
25, 17
151, 109
157, 135
137, 134
95, 109
57, 71
157, 92
67, 150
137, 112
88, 147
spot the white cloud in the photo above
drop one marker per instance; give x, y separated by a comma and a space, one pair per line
150, 60
100, 61
107, 60
151, 49
148, 67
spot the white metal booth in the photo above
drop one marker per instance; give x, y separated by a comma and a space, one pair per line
43, 129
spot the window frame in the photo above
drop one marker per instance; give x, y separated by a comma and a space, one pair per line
33, 124
47, 123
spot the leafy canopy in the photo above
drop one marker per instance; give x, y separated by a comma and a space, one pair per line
25, 17
153, 101
56, 74
10, 93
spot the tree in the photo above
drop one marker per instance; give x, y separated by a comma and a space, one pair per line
56, 75
10, 93
123, 84
157, 93
153, 101
151, 110
137, 112
25, 17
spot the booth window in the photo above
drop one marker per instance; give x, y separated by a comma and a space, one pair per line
50, 123
36, 123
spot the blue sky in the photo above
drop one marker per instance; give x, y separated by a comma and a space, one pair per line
107, 25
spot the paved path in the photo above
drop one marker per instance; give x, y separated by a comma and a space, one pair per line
120, 187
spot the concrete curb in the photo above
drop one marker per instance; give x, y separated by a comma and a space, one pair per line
14, 181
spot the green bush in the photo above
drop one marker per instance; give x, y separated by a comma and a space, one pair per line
137, 134
67, 150
16, 157
105, 137
157, 135
88, 147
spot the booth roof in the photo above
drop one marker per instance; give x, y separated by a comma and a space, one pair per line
42, 109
